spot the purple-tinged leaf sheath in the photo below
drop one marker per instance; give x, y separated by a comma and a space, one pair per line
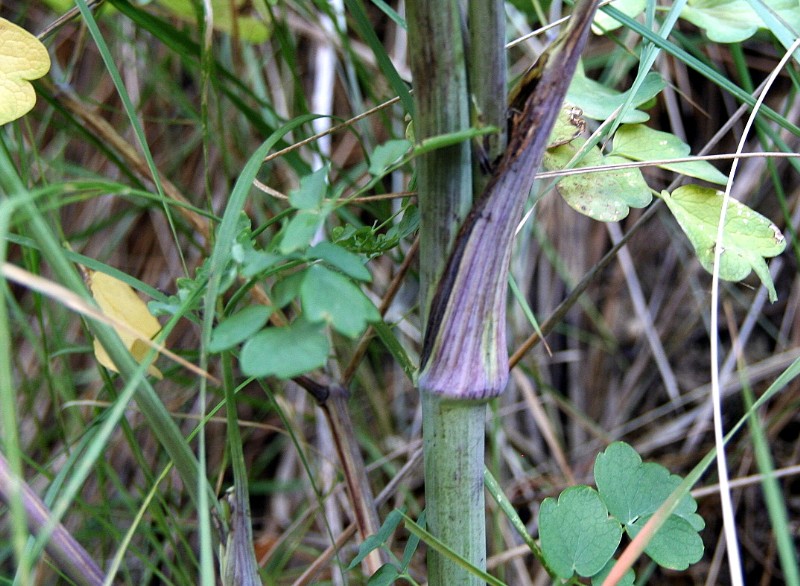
464, 354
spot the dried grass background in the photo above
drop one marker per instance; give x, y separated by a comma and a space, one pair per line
601, 382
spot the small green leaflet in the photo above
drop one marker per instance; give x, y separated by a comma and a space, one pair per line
641, 143
339, 257
599, 102
238, 327
332, 298
287, 351
312, 190
748, 237
313, 208
732, 21
576, 533
386, 155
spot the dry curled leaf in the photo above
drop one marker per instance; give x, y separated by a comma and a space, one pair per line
122, 304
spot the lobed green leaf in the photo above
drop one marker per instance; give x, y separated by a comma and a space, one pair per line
576, 533
748, 237
642, 143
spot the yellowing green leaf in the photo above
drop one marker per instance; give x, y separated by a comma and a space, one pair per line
605, 23
122, 304
747, 239
642, 143
22, 59
606, 196
732, 21
229, 17
569, 125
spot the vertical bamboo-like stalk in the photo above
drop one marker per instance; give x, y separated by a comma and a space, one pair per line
453, 428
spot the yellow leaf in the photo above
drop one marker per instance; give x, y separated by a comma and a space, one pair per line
121, 303
22, 58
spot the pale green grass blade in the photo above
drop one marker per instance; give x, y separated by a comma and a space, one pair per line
774, 497
159, 418
113, 72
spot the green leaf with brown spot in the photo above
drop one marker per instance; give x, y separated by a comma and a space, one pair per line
606, 196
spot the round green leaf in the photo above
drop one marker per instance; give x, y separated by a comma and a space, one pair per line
285, 352
576, 533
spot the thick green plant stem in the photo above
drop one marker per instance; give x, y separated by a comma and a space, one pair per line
464, 359
453, 443
441, 107
453, 430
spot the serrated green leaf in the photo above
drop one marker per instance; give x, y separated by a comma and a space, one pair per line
576, 533
605, 23
386, 155
628, 577
285, 352
641, 143
330, 297
238, 327
633, 490
676, 545
312, 190
342, 259
606, 196
732, 21
747, 239
599, 102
